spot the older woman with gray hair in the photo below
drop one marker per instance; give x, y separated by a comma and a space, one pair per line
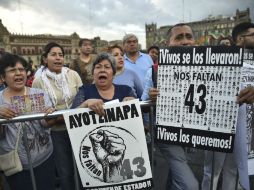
103, 90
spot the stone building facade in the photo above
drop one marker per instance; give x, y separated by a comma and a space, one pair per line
31, 46
207, 31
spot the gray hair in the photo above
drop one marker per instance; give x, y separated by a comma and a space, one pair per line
128, 36
105, 56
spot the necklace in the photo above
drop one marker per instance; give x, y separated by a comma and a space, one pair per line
7, 95
25, 92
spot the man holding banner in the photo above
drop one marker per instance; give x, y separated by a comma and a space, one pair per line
180, 174
200, 114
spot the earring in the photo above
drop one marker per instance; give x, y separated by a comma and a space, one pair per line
2, 79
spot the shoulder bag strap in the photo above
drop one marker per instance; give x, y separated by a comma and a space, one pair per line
17, 142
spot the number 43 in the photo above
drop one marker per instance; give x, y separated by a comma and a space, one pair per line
127, 172
190, 96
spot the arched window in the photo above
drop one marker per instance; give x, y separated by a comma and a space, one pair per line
14, 51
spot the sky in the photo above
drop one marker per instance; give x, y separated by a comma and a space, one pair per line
109, 19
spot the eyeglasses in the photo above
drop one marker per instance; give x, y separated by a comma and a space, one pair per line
246, 35
15, 70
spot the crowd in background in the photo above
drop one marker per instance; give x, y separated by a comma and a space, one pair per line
124, 73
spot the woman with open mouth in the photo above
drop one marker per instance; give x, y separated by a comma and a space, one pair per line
103, 90
62, 85
39, 145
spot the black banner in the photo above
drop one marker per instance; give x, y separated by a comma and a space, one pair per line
144, 184
208, 140
202, 56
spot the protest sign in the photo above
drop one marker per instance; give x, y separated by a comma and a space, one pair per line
110, 151
28, 104
197, 105
248, 80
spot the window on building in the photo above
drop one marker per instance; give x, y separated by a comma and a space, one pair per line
14, 51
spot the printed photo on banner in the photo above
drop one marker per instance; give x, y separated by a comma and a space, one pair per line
248, 80
110, 150
28, 104
197, 105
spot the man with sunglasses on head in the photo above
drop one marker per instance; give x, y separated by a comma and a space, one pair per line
243, 35
233, 164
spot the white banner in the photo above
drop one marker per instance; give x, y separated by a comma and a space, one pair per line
111, 150
197, 105
248, 80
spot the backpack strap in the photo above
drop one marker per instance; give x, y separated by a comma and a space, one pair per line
154, 75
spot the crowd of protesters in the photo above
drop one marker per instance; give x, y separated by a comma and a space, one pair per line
122, 73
